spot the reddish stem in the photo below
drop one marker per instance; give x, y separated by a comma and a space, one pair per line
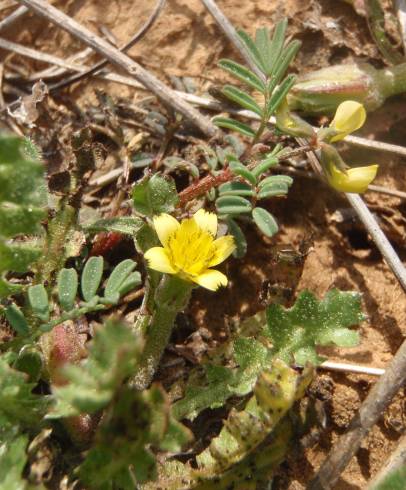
204, 185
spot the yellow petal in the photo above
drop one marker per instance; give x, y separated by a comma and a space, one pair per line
158, 260
353, 180
222, 248
206, 221
349, 117
165, 225
211, 279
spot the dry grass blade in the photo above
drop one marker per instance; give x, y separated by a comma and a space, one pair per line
8, 21
115, 56
98, 66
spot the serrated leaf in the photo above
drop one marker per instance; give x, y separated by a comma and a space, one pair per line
265, 221
118, 277
22, 203
242, 98
18, 405
233, 205
243, 74
135, 421
91, 277
226, 122
128, 225
38, 299
67, 288
252, 49
239, 238
17, 320
155, 195
242, 171
296, 332
112, 358
235, 189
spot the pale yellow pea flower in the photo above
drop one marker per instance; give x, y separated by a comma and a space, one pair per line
349, 117
353, 179
190, 248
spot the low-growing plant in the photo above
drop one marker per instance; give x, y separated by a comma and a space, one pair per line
98, 396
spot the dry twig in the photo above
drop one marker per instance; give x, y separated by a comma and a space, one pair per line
168, 96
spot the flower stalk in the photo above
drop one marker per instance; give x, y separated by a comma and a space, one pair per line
171, 297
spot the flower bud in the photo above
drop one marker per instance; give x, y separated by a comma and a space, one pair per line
323, 90
291, 123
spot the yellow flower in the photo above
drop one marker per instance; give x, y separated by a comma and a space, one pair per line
349, 117
190, 248
352, 180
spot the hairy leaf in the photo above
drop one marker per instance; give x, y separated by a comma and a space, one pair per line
243, 74
296, 332
112, 358
226, 122
155, 195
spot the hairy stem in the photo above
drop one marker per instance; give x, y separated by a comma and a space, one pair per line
171, 297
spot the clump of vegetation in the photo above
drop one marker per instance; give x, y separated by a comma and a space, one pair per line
98, 398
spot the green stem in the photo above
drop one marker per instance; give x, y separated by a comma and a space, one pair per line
171, 297
393, 79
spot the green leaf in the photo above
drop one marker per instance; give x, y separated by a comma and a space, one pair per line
264, 166
276, 46
395, 480
242, 171
263, 43
135, 421
226, 122
155, 195
91, 277
271, 190
265, 221
276, 180
296, 332
282, 64
239, 238
117, 278
17, 320
243, 74
242, 98
17, 257
233, 205
235, 189
16, 220
132, 281
112, 358
18, 405
280, 93
22, 206
127, 225
38, 300
252, 49
13, 458
30, 361
67, 288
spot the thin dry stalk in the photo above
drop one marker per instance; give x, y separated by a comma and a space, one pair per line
395, 461
168, 96
17, 14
